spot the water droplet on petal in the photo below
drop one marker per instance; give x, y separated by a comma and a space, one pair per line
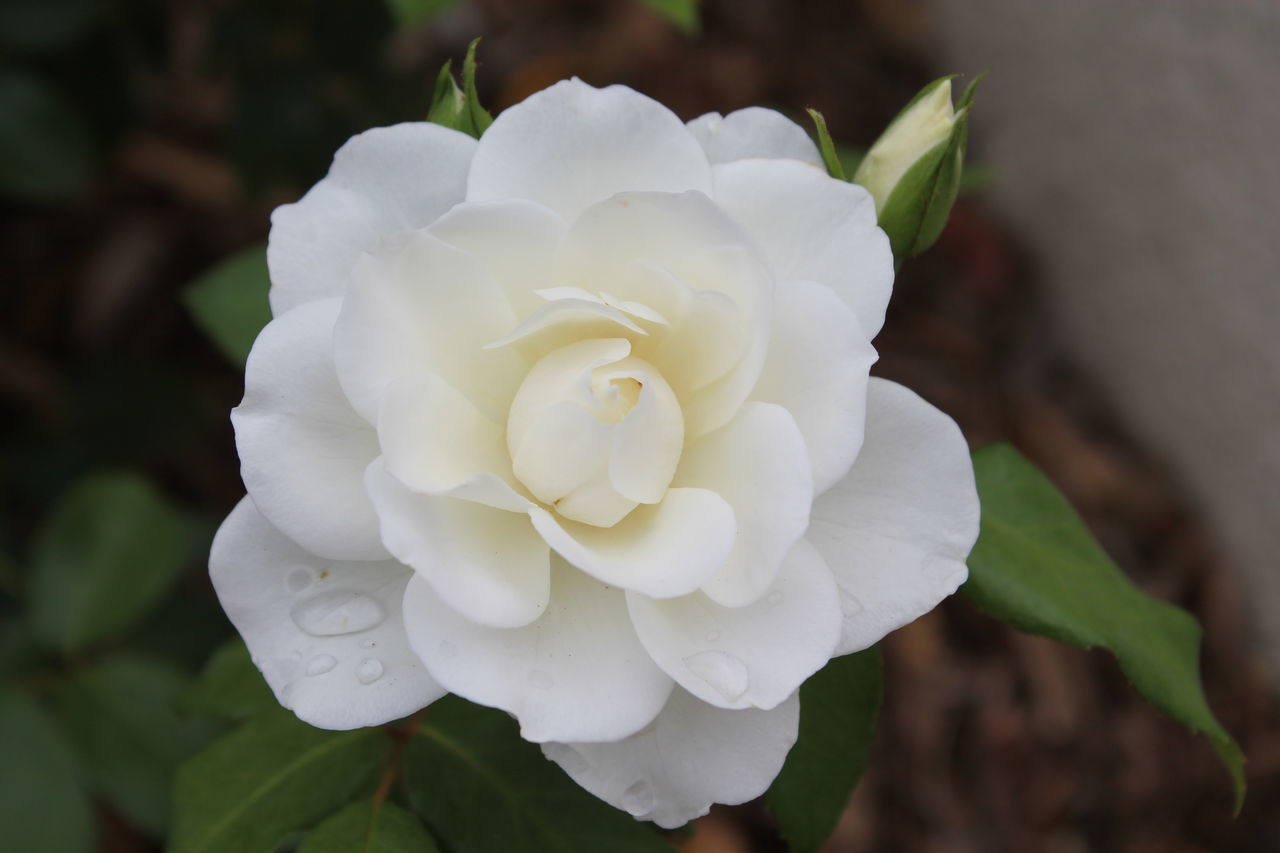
725, 674
713, 635
541, 680
368, 644
338, 611
638, 799
448, 649
320, 664
774, 597
369, 670
299, 579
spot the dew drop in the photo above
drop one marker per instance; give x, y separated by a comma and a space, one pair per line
774, 597
338, 611
299, 579
320, 664
448, 649
713, 635
637, 800
725, 674
369, 670
368, 644
541, 679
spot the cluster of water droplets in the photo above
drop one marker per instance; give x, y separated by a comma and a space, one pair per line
335, 613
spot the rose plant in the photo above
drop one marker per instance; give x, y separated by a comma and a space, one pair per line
575, 421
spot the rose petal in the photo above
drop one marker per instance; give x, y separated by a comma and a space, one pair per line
434, 439
757, 463
572, 145
422, 305
746, 657
303, 449
812, 227
382, 181
662, 550
817, 369
577, 673
328, 636
753, 133
489, 564
897, 530
515, 240
691, 756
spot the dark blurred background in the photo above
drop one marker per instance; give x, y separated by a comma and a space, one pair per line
1069, 308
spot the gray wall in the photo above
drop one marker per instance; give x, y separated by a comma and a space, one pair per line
1138, 150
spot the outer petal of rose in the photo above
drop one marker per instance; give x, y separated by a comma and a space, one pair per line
576, 674
746, 657
756, 462
514, 239
303, 449
691, 756
382, 181
753, 133
813, 227
425, 305
817, 369
662, 550
488, 564
897, 530
328, 636
572, 145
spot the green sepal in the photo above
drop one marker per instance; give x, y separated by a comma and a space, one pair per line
458, 107
830, 157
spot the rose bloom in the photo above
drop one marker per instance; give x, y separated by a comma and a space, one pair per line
575, 421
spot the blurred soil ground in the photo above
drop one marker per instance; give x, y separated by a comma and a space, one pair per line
989, 740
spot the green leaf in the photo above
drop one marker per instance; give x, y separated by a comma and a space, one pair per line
1037, 567
46, 153
682, 13
830, 157
229, 301
370, 827
121, 719
111, 549
838, 709
42, 807
230, 687
273, 776
410, 14
485, 790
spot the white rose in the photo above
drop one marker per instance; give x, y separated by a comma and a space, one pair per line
575, 421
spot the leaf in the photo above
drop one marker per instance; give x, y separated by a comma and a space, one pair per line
485, 790
830, 157
370, 827
273, 776
229, 301
230, 687
42, 807
46, 153
682, 13
838, 710
121, 719
1037, 567
410, 14
110, 550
